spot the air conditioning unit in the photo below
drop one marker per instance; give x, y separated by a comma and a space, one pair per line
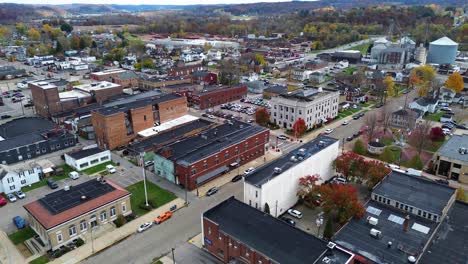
372, 220
375, 233
331, 245
277, 170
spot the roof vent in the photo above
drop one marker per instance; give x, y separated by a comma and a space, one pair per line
277, 170
83, 197
293, 159
331, 245
376, 233
462, 151
326, 260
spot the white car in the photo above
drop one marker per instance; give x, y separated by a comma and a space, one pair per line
211, 117
249, 170
144, 226
73, 175
111, 169
339, 180
393, 166
345, 122
328, 131
295, 213
11, 198
20, 194
282, 137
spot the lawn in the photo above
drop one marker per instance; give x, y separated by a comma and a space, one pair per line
97, 168
433, 146
40, 260
156, 194
43, 182
434, 117
22, 235
348, 112
129, 37
349, 70
362, 48
387, 141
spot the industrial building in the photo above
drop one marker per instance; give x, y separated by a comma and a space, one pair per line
442, 51
276, 183
87, 158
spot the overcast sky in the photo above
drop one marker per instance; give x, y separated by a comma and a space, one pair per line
139, 2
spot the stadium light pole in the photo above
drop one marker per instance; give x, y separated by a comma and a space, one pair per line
142, 163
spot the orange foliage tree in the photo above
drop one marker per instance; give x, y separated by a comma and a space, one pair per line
341, 201
299, 127
455, 82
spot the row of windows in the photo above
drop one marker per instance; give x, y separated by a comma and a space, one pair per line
406, 207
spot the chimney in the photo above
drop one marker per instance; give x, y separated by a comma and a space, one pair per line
406, 223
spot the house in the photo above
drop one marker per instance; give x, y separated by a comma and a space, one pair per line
317, 77
276, 184
404, 118
301, 74
313, 105
445, 95
451, 160
343, 106
399, 221
12, 178
237, 233
424, 104
74, 212
87, 158
206, 155
204, 77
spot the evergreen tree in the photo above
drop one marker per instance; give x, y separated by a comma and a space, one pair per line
328, 232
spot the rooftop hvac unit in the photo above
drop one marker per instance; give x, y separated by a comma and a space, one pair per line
372, 220
326, 260
277, 170
463, 151
293, 158
411, 259
376, 233
331, 245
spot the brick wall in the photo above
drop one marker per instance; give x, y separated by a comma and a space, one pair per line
46, 101
102, 95
172, 109
221, 96
151, 84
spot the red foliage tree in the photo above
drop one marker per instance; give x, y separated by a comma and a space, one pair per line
308, 188
350, 164
262, 117
299, 127
375, 172
436, 134
341, 201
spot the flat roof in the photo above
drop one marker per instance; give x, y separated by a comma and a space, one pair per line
266, 172
415, 191
44, 84
355, 235
170, 135
125, 106
307, 95
217, 89
73, 94
110, 71
450, 243
266, 234
96, 86
450, 149
212, 141
61, 206
24, 125
167, 125
83, 153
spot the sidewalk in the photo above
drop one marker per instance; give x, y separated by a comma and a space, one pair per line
8, 252
119, 234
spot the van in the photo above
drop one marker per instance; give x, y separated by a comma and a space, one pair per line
74, 175
111, 169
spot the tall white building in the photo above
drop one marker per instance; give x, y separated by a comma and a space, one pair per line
276, 183
313, 105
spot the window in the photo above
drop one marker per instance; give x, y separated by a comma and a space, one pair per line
194, 171
256, 205
124, 207
419, 212
103, 216
457, 166
434, 217
256, 194
72, 230
112, 211
429, 215
104, 158
220, 237
205, 165
94, 161
397, 204
59, 237
144, 117
226, 155
12, 187
83, 225
209, 230
424, 214
23, 181
216, 160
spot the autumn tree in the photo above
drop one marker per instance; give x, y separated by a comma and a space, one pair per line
349, 164
371, 123
461, 196
4, 32
340, 201
420, 134
260, 59
308, 189
75, 43
455, 82
390, 86
34, 34
299, 127
422, 77
375, 172
359, 147
21, 28
436, 134
262, 117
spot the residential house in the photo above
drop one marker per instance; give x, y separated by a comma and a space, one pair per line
13, 178
404, 118
445, 95
424, 104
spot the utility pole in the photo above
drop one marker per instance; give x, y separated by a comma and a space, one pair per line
173, 258
142, 163
185, 187
342, 146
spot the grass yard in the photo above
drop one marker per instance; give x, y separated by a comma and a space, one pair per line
349, 70
387, 141
40, 260
433, 146
348, 112
97, 168
362, 48
434, 117
22, 235
156, 194
129, 37
66, 169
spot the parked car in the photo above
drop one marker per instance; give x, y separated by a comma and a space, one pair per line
11, 197
356, 134
350, 138
3, 201
328, 131
162, 217
339, 180
378, 105
74, 175
19, 222
295, 213
212, 191
20, 194
249, 171
52, 184
346, 122
211, 117
5, 116
282, 137
446, 109
288, 220
442, 181
149, 163
144, 227
356, 117
236, 178
393, 166
111, 169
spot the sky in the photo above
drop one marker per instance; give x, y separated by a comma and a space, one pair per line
140, 2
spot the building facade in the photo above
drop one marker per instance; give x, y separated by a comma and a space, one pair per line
106, 75
86, 158
13, 178
451, 160
217, 96
314, 106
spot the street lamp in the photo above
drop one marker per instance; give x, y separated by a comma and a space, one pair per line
142, 163
319, 223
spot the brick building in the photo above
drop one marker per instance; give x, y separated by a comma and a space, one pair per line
203, 157
213, 96
106, 75
100, 91
151, 83
117, 125
185, 70
237, 233
128, 79
205, 77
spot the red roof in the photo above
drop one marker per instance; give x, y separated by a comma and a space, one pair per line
48, 220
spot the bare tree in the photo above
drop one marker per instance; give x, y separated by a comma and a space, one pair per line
371, 123
420, 135
385, 115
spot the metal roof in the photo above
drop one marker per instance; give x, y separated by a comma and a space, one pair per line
444, 41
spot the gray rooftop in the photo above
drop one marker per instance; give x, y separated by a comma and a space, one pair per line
83, 153
355, 235
450, 149
266, 172
423, 101
415, 191
268, 235
450, 244
307, 95
25, 125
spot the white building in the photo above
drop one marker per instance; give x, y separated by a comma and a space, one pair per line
424, 104
87, 158
313, 105
12, 178
277, 182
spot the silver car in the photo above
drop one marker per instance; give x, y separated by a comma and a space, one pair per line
11, 198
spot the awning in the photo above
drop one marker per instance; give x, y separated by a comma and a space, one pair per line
211, 174
47, 170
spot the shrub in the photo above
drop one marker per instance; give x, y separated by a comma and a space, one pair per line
328, 232
436, 134
359, 147
120, 221
79, 242
461, 196
145, 207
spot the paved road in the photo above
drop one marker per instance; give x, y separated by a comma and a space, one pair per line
190, 254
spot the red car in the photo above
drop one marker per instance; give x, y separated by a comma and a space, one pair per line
3, 201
